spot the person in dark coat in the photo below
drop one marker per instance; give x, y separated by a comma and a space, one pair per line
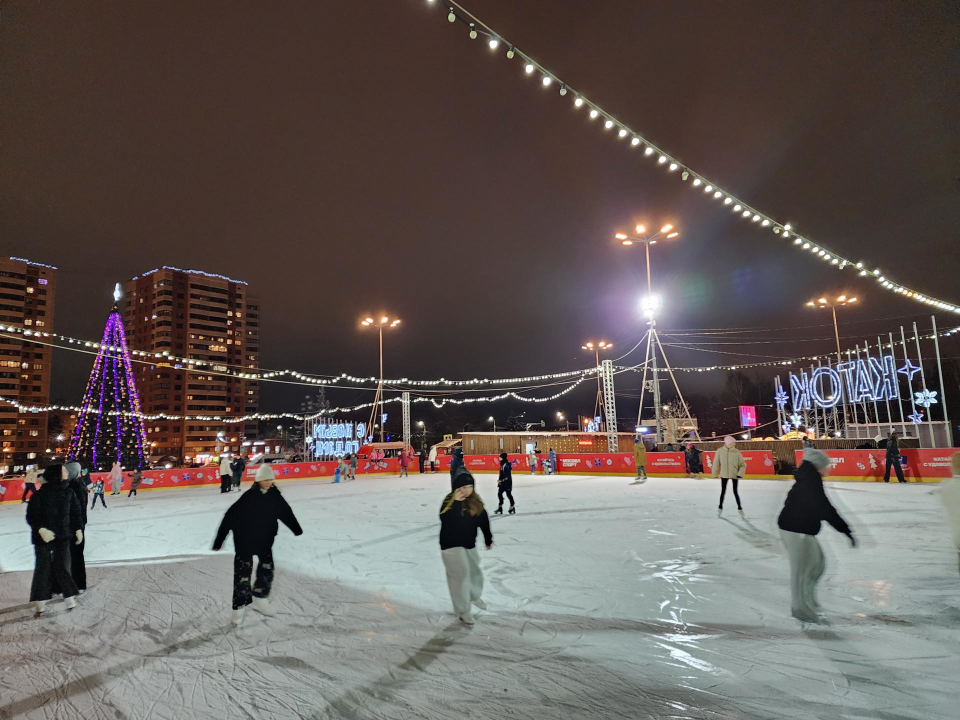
505, 484
78, 566
799, 521
422, 459
893, 459
456, 464
135, 481
461, 515
694, 460
239, 466
253, 519
53, 514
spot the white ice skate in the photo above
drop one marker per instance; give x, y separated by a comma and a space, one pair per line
70, 602
237, 616
467, 619
39, 607
740, 510
480, 604
263, 606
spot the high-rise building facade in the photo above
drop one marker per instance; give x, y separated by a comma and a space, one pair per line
27, 294
195, 315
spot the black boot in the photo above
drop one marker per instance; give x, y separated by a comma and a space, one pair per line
499, 511
513, 510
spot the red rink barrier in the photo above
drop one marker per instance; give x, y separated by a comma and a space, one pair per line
759, 462
919, 465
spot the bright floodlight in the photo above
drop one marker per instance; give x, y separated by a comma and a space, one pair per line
811, 303
852, 300
384, 319
842, 298
666, 228
822, 301
629, 242
641, 229
672, 235
588, 346
369, 321
620, 236
490, 419
649, 304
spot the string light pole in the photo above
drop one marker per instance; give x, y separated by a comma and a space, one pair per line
833, 303
384, 322
595, 349
650, 305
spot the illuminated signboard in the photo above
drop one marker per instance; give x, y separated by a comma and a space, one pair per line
748, 416
336, 439
854, 381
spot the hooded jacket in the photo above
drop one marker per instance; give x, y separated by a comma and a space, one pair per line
893, 448
729, 463
459, 529
639, 453
807, 504
54, 506
80, 490
254, 521
506, 471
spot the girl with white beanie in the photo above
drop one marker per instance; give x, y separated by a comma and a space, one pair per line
729, 465
806, 506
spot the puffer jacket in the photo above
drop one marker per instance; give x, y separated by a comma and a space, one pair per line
729, 463
55, 507
254, 521
639, 454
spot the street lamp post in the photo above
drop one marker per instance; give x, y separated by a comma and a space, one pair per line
494, 421
563, 418
384, 322
833, 303
595, 348
650, 305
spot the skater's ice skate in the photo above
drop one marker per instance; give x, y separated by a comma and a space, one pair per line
740, 510
39, 608
498, 511
480, 604
237, 616
263, 606
513, 510
719, 512
467, 619
70, 602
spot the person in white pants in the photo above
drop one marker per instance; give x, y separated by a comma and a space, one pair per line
806, 506
461, 515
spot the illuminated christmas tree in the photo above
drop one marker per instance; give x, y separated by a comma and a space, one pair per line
110, 425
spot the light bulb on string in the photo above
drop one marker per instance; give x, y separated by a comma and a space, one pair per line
452, 17
563, 90
473, 32
635, 141
546, 80
578, 102
528, 69
510, 53
493, 43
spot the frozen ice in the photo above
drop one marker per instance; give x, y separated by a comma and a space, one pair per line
605, 600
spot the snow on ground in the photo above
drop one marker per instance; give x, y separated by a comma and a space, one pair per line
606, 600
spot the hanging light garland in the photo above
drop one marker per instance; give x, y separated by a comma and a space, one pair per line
709, 189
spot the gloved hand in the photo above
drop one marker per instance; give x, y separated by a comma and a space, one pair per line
853, 540
46, 535
79, 535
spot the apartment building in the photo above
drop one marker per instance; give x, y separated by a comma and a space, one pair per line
191, 314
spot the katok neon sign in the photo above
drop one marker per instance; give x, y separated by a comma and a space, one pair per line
873, 379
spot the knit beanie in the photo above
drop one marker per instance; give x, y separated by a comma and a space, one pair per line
503, 457
73, 470
462, 480
728, 440
265, 472
817, 458
53, 473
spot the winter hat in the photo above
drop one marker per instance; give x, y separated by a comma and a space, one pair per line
817, 458
53, 473
265, 472
462, 480
73, 470
503, 456
728, 440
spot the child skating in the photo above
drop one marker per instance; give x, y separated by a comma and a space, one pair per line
461, 515
505, 484
254, 521
96, 489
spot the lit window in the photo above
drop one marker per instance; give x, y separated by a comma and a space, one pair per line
42, 281
28, 321
30, 290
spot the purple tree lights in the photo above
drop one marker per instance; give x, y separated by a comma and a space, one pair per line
110, 424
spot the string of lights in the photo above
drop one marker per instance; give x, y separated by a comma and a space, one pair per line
224, 369
671, 165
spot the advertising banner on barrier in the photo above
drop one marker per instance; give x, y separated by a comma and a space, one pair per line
869, 465
759, 462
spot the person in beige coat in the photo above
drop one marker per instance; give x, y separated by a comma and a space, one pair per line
728, 464
640, 459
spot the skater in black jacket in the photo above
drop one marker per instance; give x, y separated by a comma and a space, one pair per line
53, 514
456, 465
806, 506
505, 484
461, 515
253, 520
78, 566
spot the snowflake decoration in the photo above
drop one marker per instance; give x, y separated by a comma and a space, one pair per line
781, 397
925, 398
787, 427
916, 418
909, 370
796, 420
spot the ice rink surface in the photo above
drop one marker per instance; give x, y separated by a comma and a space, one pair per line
606, 600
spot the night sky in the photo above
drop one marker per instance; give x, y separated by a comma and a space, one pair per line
347, 158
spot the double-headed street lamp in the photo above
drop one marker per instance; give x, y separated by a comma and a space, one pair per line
833, 304
595, 348
650, 306
384, 322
